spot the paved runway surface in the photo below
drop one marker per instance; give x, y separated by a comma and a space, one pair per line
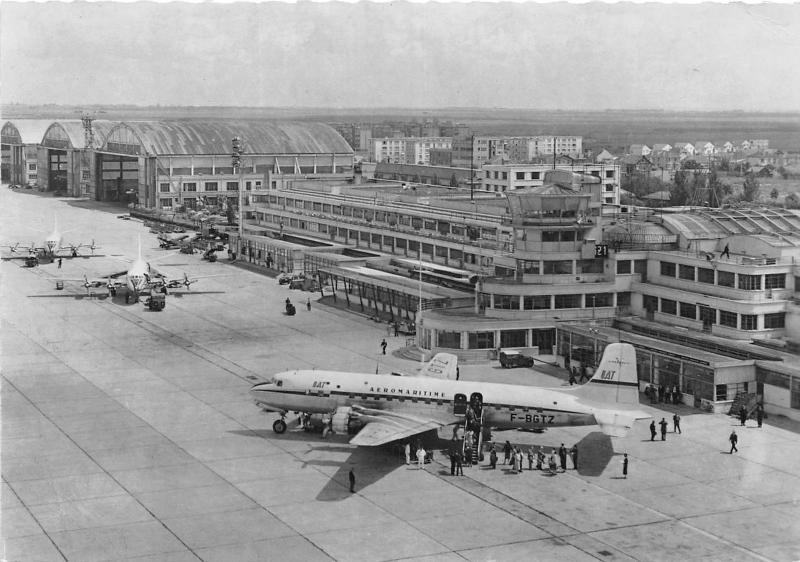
129, 435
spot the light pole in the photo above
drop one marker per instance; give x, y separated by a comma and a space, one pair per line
236, 162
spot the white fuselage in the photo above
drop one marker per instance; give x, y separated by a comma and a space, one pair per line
504, 406
137, 278
52, 243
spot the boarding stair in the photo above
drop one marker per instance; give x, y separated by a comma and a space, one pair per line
748, 400
473, 426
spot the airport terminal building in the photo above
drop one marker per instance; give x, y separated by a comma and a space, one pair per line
706, 295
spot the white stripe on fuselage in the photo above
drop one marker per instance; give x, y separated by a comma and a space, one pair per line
507, 405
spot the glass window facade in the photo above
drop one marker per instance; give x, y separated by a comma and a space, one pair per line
513, 338
449, 340
481, 340
667, 269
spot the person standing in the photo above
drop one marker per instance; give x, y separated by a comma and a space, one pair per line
562, 456
574, 452
383, 346
352, 477
539, 458
760, 414
676, 396
506, 452
407, 449
421, 457
458, 372
531, 456
308, 304
653, 430
59, 263
459, 464
467, 454
743, 415
572, 378
625, 466
493, 457
453, 454
676, 423
663, 423
734, 439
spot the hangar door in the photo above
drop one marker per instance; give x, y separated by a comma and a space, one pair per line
57, 167
119, 177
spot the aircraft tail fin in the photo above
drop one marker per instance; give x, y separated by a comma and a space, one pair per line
615, 380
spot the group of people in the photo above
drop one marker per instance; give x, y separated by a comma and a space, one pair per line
743, 415
419, 453
537, 456
676, 427
578, 375
661, 393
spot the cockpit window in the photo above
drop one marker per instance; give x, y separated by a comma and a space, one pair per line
279, 382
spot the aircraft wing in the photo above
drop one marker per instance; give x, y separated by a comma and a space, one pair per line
384, 427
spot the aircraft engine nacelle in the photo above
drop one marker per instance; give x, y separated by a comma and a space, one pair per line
345, 420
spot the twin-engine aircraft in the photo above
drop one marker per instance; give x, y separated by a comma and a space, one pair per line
51, 249
391, 407
139, 279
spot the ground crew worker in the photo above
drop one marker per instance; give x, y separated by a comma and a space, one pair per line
734, 439
352, 477
676, 423
663, 424
421, 457
652, 430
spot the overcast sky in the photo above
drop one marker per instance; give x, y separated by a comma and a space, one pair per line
514, 55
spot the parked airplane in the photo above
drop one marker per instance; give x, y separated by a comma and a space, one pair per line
140, 278
170, 240
50, 249
396, 407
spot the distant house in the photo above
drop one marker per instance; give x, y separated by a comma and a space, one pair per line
665, 157
704, 148
633, 164
661, 148
605, 157
728, 147
685, 149
639, 150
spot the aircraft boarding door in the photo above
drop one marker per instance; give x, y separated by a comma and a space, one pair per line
460, 405
476, 403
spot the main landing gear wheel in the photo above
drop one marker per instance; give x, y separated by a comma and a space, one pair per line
279, 426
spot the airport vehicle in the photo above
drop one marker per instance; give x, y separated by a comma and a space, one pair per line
139, 279
396, 407
51, 249
512, 358
156, 302
439, 274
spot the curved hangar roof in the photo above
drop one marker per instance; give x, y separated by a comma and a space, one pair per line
215, 137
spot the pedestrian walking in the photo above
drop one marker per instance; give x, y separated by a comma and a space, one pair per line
493, 457
59, 263
625, 466
759, 414
726, 252
468, 454
653, 430
407, 449
734, 439
506, 452
308, 304
574, 452
562, 456
352, 476
663, 423
743, 415
421, 457
572, 378
383, 346
531, 456
676, 423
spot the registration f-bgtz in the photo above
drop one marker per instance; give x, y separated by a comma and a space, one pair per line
391, 407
